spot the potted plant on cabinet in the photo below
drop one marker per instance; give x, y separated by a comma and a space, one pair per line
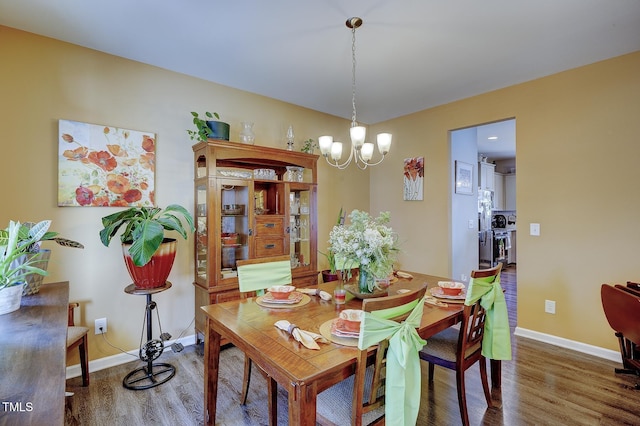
148, 254
309, 146
210, 128
15, 266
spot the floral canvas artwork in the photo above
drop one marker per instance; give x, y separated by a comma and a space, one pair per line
413, 178
105, 166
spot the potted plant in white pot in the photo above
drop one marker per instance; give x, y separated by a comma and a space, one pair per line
148, 254
31, 235
15, 266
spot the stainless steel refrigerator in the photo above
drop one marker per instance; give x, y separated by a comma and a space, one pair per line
485, 232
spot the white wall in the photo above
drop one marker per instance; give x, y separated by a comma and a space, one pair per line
464, 208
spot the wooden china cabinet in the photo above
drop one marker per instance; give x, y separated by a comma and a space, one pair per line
251, 202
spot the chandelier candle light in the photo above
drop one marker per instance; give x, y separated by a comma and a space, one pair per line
361, 151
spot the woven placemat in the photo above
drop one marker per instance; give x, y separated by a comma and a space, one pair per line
325, 330
305, 299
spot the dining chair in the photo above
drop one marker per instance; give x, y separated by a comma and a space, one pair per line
77, 338
367, 392
622, 310
256, 275
458, 348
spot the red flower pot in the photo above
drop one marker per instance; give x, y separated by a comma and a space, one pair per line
155, 273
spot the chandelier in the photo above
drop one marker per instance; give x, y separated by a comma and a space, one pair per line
361, 152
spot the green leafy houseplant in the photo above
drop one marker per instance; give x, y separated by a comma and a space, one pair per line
330, 254
12, 248
31, 235
144, 229
308, 146
203, 130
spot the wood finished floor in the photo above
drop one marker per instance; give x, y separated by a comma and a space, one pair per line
543, 385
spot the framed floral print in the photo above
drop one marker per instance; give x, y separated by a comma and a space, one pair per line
102, 165
413, 178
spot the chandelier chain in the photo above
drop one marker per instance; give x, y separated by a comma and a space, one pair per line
353, 76
360, 152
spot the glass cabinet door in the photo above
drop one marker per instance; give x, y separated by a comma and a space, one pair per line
202, 243
234, 225
299, 228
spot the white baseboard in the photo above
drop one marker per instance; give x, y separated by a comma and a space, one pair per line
113, 360
569, 344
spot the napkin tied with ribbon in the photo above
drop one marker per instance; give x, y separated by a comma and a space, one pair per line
496, 342
402, 384
307, 338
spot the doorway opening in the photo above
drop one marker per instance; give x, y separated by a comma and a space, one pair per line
484, 223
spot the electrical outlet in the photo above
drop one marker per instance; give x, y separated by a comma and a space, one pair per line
550, 306
101, 323
463, 278
471, 223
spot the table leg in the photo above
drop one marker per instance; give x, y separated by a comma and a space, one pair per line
496, 382
211, 369
272, 387
302, 404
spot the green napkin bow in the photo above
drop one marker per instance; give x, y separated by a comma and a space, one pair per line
402, 386
496, 342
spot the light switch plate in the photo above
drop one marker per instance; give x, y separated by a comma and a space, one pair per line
534, 229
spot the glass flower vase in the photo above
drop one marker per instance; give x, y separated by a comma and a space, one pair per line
246, 134
365, 281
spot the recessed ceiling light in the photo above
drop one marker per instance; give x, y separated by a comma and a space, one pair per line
492, 138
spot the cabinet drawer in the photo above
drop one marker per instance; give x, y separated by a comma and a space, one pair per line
227, 295
266, 225
305, 281
269, 247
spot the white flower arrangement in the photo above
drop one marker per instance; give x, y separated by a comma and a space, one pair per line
367, 243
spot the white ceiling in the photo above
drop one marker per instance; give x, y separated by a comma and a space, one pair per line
504, 144
411, 54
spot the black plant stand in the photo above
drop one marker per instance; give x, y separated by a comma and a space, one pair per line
145, 377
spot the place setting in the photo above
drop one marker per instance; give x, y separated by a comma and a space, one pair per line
345, 329
447, 292
283, 296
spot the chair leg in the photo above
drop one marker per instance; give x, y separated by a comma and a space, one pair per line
431, 367
84, 360
246, 379
272, 392
462, 397
485, 382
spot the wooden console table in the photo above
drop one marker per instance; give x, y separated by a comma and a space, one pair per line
33, 350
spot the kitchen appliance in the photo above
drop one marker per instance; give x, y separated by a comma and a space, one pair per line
494, 240
485, 233
501, 246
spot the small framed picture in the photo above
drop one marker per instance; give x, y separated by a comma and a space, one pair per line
464, 178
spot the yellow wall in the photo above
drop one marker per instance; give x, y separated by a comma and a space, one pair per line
578, 147
577, 154
44, 80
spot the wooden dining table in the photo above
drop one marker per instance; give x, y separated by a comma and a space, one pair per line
305, 372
